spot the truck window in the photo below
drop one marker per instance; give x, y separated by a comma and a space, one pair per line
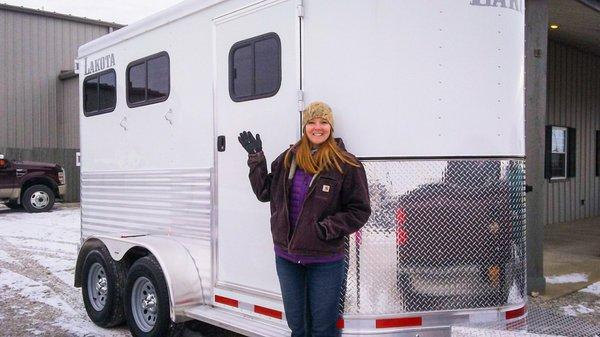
255, 68
148, 80
100, 93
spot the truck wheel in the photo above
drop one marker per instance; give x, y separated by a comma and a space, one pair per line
13, 205
101, 284
147, 300
38, 198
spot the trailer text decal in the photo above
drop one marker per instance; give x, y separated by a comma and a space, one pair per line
99, 64
516, 5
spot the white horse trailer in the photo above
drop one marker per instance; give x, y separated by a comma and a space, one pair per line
428, 95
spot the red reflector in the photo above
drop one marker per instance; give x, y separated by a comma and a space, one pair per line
340, 323
268, 312
400, 216
398, 322
515, 313
401, 235
226, 301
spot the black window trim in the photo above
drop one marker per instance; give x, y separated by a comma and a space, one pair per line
145, 60
103, 111
252, 41
570, 153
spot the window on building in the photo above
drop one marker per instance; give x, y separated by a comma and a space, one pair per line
148, 80
560, 152
558, 156
100, 93
255, 68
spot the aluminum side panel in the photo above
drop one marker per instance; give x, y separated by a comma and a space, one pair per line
174, 202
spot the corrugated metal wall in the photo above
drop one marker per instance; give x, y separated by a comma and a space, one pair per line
574, 101
37, 110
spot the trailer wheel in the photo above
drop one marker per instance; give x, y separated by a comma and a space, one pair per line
101, 283
38, 198
147, 300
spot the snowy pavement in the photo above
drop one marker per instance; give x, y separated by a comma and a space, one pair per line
37, 296
37, 266
37, 262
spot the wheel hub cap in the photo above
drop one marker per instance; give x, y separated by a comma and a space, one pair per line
144, 304
40, 199
97, 286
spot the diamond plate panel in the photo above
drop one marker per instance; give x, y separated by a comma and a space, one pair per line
443, 235
538, 322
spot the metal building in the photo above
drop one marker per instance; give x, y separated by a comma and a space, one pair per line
38, 88
562, 121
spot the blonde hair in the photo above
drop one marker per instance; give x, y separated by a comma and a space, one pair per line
328, 156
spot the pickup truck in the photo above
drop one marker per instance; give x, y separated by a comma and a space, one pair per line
31, 185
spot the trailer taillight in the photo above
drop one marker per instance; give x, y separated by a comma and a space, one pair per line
401, 235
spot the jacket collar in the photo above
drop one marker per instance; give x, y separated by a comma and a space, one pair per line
294, 165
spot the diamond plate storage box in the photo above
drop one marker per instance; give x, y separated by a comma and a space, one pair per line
443, 235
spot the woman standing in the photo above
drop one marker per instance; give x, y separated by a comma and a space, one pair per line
318, 195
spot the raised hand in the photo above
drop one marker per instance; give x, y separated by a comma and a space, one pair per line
250, 144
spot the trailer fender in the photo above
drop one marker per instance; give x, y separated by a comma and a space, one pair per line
178, 266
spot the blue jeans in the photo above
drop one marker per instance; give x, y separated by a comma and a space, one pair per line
311, 296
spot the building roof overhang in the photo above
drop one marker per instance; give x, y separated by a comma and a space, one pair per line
578, 21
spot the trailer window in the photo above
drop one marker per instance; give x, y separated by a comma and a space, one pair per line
100, 93
255, 68
148, 80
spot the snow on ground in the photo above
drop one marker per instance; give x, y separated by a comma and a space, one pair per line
4, 256
575, 310
37, 262
592, 289
568, 278
32, 290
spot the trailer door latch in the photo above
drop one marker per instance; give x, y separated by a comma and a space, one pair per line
221, 143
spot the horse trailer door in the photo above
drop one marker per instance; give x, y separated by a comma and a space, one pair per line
257, 59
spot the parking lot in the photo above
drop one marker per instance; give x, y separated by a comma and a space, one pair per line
37, 259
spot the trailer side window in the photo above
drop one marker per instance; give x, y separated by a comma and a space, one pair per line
255, 68
148, 80
100, 93
560, 152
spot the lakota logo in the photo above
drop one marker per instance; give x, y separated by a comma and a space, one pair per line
99, 64
516, 5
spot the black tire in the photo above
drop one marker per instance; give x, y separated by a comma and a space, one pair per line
44, 201
146, 279
103, 306
13, 205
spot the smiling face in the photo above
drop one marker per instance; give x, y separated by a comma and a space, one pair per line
317, 130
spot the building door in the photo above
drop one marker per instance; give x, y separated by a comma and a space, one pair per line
257, 71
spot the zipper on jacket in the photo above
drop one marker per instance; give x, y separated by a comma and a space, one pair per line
310, 190
287, 212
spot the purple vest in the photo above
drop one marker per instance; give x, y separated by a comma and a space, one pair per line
298, 192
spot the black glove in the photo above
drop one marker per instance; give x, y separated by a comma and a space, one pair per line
250, 144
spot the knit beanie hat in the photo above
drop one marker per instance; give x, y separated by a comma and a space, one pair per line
317, 109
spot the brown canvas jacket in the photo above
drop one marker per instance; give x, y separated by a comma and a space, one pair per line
336, 205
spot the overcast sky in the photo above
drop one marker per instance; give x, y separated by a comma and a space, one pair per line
119, 11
